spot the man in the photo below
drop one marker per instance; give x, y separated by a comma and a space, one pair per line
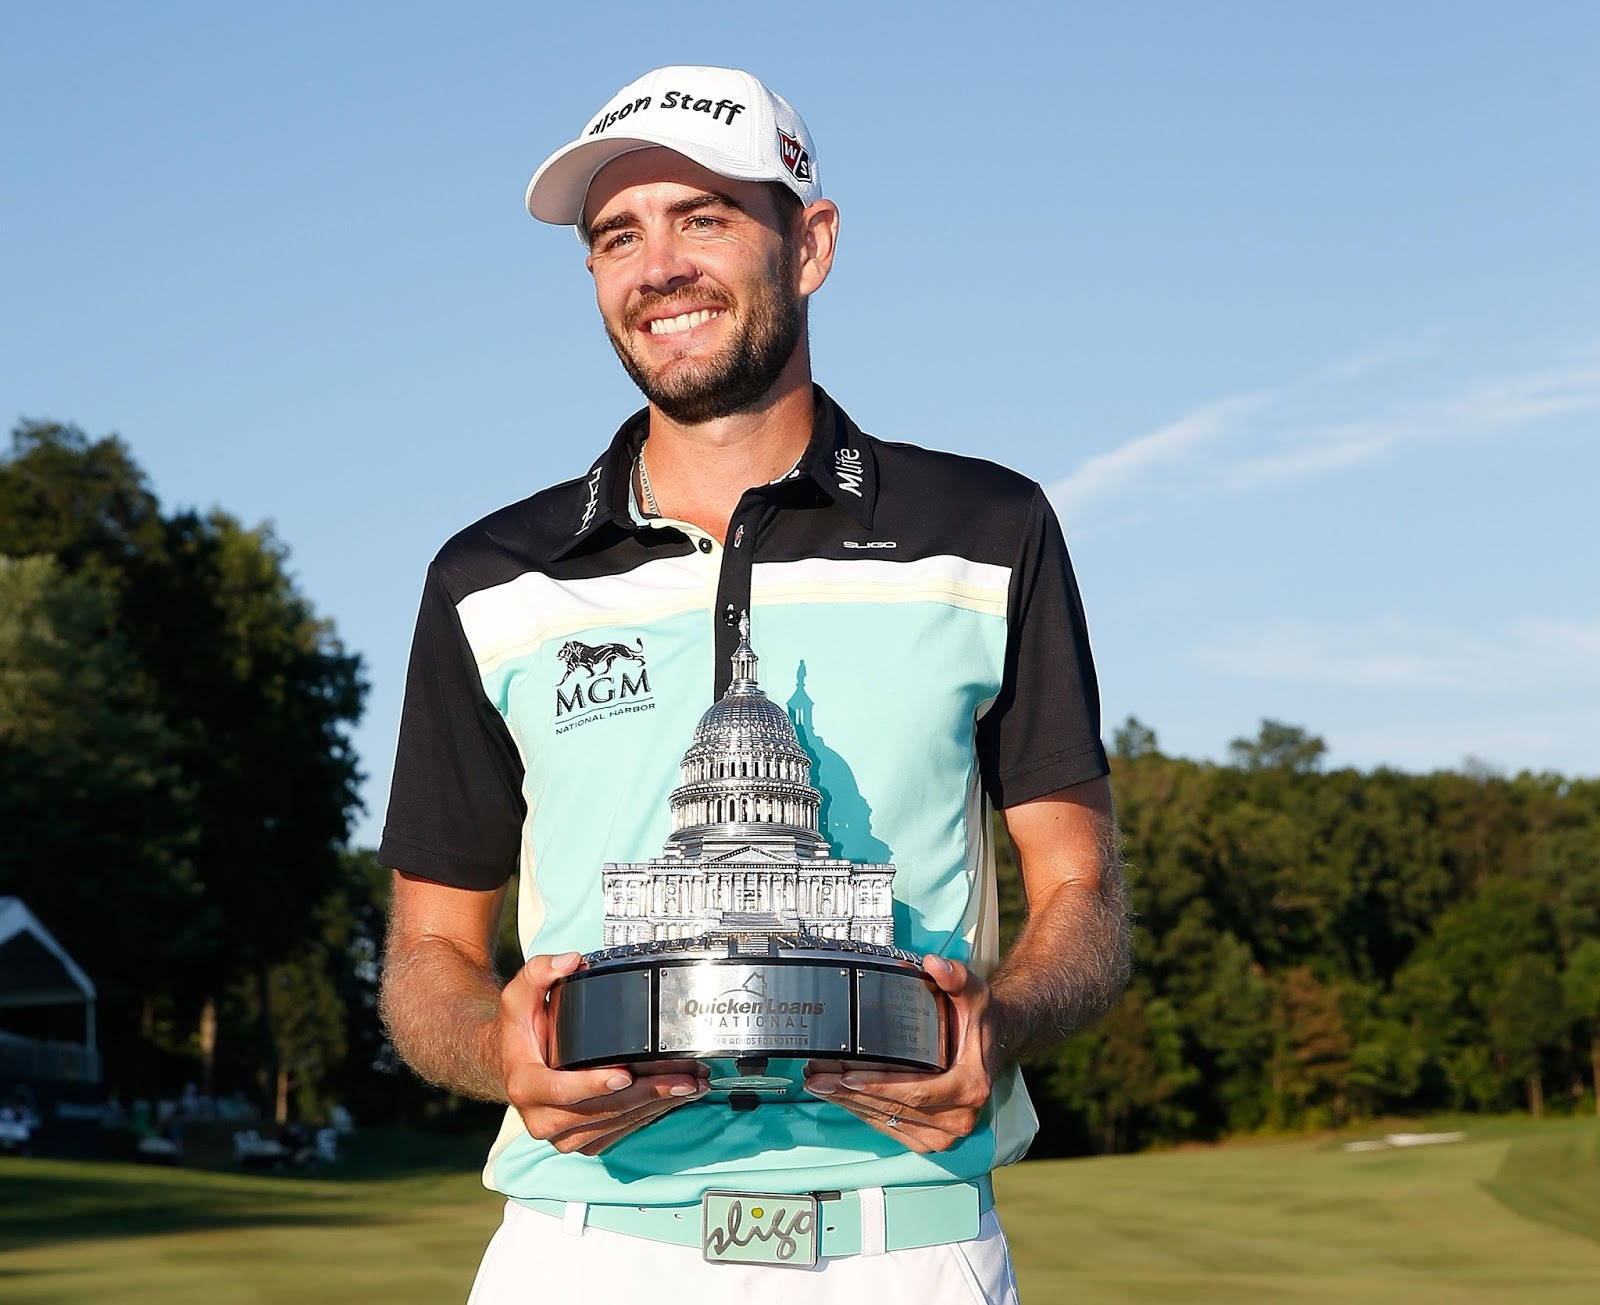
922, 606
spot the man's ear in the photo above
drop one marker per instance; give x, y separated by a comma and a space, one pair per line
819, 236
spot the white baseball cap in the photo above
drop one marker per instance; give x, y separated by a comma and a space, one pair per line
722, 118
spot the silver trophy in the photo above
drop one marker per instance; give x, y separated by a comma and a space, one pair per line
746, 942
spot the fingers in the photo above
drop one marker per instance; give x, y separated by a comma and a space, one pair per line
936, 1125
609, 1090
576, 1109
579, 1108
594, 1137
970, 1002
906, 1126
925, 1112
536, 1084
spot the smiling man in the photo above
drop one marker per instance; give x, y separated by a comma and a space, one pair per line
917, 611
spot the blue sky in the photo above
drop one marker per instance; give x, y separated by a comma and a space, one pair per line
1295, 308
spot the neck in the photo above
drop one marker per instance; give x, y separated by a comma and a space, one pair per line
698, 473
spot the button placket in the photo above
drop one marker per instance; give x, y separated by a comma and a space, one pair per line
733, 587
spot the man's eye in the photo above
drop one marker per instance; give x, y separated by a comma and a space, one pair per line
703, 222
617, 240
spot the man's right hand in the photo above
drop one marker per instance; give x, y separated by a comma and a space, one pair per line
582, 1110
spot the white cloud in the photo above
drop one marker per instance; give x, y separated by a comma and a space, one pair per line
1486, 408
1312, 459
1386, 354
1205, 445
1128, 464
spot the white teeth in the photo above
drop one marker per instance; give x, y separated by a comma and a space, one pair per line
683, 321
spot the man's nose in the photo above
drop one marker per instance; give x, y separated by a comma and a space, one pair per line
667, 264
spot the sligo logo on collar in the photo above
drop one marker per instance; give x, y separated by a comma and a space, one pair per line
594, 500
847, 466
794, 156
676, 100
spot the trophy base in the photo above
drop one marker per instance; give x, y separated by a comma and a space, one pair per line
755, 1012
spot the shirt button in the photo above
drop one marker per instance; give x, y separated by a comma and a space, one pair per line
705, 545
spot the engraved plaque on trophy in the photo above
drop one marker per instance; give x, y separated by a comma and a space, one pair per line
746, 943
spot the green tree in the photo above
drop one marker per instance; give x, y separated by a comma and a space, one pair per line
1580, 985
1278, 747
1231, 1037
255, 698
1311, 1050
1490, 1001
1525, 1020
265, 699
83, 502
1126, 1076
91, 795
1134, 739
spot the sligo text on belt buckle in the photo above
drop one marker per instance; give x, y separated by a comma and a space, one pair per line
760, 1228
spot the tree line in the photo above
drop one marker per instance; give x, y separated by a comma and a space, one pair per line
1316, 947
176, 776
177, 787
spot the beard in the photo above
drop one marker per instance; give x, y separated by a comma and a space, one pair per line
738, 376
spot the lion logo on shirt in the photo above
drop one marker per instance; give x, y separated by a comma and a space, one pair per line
596, 658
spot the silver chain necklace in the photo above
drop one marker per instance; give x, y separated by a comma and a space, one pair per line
649, 495
644, 485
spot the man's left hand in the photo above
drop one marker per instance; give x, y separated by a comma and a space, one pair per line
926, 1112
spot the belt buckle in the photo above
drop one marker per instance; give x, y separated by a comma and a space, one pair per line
777, 1228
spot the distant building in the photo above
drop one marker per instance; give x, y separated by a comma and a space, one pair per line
36, 976
745, 855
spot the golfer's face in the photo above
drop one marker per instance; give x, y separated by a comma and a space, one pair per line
689, 267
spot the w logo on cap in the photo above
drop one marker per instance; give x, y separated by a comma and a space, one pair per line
794, 156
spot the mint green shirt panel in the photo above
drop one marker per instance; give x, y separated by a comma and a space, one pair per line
887, 709
892, 691
803, 1147
597, 779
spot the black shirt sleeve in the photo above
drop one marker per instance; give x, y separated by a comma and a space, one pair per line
456, 806
1043, 731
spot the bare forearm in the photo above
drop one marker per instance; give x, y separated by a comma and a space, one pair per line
1069, 964
439, 1007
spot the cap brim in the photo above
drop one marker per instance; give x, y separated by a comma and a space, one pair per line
561, 185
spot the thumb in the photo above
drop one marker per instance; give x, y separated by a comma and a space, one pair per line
541, 971
951, 976
523, 1000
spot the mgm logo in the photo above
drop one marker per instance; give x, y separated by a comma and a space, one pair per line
611, 678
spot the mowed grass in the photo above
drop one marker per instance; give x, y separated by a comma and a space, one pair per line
1512, 1214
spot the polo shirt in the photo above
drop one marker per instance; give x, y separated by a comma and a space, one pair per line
914, 611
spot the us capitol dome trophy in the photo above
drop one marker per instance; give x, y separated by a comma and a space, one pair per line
745, 941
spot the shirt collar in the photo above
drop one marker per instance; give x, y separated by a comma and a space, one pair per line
839, 459
602, 498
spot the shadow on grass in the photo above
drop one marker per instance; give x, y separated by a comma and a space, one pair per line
380, 1153
52, 1201
1553, 1178
41, 1208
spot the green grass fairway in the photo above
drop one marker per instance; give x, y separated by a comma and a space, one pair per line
1510, 1215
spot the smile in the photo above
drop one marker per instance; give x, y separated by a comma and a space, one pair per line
683, 321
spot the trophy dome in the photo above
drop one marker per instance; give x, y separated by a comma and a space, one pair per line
746, 721
745, 764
